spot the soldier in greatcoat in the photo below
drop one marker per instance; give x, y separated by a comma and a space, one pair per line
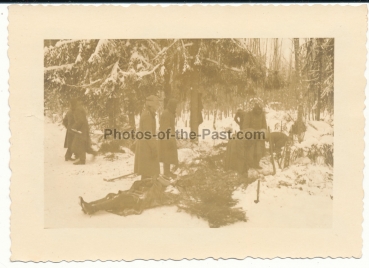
168, 154
235, 158
68, 121
81, 135
146, 151
240, 118
255, 121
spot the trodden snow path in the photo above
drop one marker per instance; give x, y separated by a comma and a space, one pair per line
65, 182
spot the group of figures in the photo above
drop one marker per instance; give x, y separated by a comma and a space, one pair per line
148, 153
149, 191
241, 155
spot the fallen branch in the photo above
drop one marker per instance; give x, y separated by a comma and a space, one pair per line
120, 177
312, 126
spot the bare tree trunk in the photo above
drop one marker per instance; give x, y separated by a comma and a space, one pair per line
309, 105
320, 58
167, 86
296, 43
112, 109
215, 118
194, 112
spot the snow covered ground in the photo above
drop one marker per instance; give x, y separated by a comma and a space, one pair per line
65, 182
298, 197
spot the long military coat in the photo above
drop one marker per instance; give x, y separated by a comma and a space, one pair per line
235, 158
168, 147
81, 141
256, 151
68, 121
146, 152
240, 118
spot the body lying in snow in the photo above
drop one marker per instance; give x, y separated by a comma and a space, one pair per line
143, 194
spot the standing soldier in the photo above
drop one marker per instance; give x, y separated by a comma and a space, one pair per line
168, 147
240, 117
236, 157
68, 121
81, 140
255, 121
146, 152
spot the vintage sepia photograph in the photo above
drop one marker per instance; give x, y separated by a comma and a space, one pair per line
205, 133
167, 133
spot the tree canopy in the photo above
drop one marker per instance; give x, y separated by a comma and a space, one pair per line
114, 76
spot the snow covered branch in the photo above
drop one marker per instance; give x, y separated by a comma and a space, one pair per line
84, 86
165, 49
65, 66
242, 47
188, 44
117, 73
61, 43
102, 43
144, 73
156, 46
224, 66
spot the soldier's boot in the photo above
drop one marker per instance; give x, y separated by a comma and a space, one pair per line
68, 155
91, 151
82, 159
86, 207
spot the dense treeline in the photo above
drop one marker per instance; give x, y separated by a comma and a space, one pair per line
113, 77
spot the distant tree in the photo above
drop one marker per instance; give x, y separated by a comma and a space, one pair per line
317, 60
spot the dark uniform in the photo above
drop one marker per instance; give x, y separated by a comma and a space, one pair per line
236, 156
168, 153
240, 118
81, 140
143, 194
256, 121
68, 121
146, 152
237, 148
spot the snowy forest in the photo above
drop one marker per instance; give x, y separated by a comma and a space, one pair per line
294, 78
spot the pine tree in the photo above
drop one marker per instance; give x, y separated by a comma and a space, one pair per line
115, 76
317, 60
